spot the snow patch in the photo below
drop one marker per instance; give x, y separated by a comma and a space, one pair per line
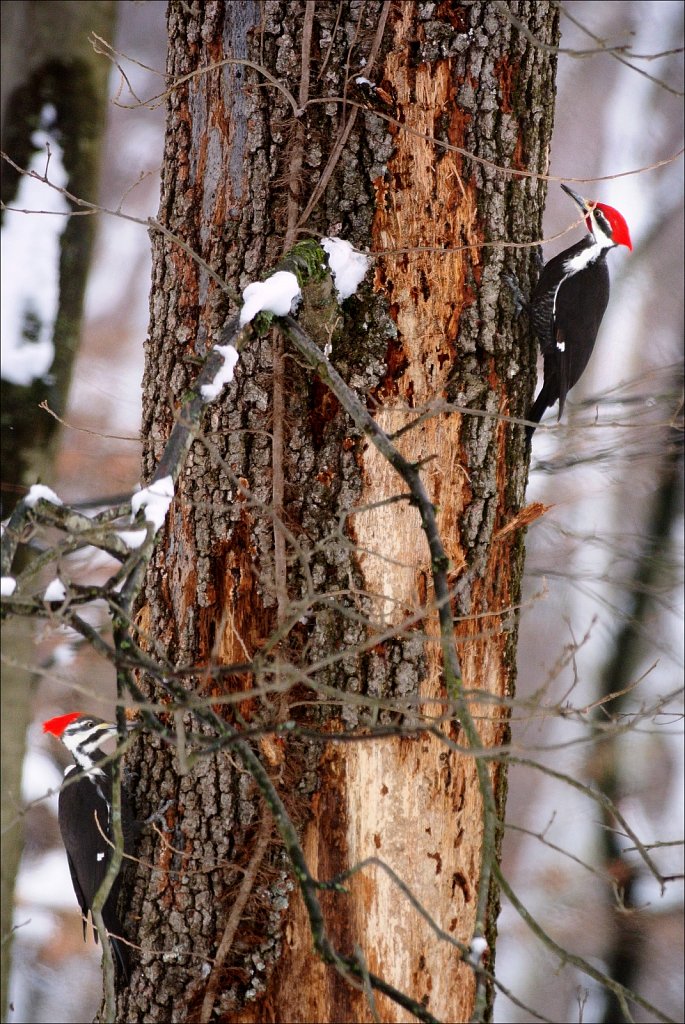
348, 266
39, 491
8, 585
133, 539
224, 375
63, 655
55, 591
479, 948
275, 295
155, 499
29, 263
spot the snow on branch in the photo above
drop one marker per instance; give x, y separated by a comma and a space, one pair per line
279, 294
224, 374
305, 264
55, 591
40, 492
348, 266
155, 499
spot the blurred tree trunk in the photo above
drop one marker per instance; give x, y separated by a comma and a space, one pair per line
624, 952
309, 550
46, 59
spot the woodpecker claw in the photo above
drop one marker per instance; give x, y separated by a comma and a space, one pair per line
157, 817
520, 302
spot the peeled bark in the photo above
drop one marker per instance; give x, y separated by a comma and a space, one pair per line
418, 169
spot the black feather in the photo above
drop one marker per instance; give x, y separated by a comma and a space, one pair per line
84, 799
566, 312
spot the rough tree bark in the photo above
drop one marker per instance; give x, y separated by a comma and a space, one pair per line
276, 523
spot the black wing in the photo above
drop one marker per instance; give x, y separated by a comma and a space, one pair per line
80, 897
88, 853
580, 304
83, 802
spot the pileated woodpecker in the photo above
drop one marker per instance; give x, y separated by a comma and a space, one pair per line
569, 300
87, 796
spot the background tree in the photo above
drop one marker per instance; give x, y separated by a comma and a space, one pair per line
54, 91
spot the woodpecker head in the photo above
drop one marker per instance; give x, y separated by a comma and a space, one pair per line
605, 223
82, 735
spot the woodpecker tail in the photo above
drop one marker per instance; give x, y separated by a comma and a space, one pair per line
538, 407
110, 917
122, 962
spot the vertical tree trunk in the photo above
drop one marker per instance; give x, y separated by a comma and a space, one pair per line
277, 525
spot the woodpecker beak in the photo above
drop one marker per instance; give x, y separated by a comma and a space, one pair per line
585, 204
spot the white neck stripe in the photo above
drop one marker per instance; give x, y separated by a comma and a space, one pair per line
585, 258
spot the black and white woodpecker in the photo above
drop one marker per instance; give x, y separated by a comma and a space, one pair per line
85, 818
569, 301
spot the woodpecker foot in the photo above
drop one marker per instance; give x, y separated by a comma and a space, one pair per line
520, 302
157, 818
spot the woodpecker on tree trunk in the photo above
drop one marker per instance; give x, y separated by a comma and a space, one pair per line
569, 301
85, 818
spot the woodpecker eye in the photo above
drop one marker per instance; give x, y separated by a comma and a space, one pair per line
603, 223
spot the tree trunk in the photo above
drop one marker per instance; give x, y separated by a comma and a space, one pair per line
284, 520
